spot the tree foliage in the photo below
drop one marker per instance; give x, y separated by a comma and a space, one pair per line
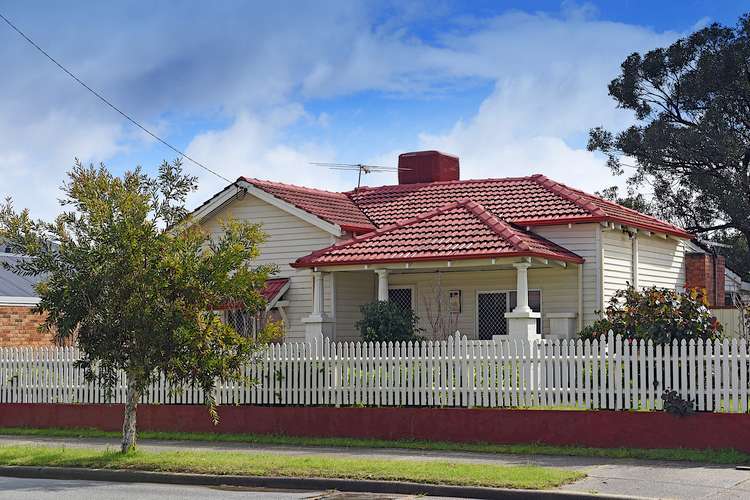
691, 141
384, 321
658, 314
134, 284
633, 200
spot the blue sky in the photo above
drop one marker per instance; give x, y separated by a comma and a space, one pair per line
511, 87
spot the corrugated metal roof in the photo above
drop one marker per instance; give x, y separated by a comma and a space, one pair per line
13, 285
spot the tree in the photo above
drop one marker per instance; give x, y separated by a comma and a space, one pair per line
384, 321
134, 283
658, 314
691, 141
633, 200
735, 248
443, 323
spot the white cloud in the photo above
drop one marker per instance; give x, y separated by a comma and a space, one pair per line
251, 147
551, 88
255, 69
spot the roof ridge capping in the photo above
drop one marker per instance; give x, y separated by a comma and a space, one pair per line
499, 226
570, 195
255, 180
579, 194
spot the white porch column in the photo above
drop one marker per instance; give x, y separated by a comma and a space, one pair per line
522, 320
318, 325
382, 284
522, 287
318, 293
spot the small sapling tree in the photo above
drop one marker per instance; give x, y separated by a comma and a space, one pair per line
134, 284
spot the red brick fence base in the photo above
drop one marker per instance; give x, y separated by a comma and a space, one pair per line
601, 429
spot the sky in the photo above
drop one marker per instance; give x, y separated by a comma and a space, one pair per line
512, 88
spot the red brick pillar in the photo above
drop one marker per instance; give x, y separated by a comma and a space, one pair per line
706, 271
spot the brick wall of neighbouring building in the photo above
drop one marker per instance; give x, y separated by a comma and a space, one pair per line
706, 271
19, 327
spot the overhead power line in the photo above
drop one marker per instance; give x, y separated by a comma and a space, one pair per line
108, 103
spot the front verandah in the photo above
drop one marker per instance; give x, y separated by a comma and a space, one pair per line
479, 298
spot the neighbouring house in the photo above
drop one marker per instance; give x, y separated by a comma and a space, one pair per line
735, 287
709, 271
18, 323
522, 256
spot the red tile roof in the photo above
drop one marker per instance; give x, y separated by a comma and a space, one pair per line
273, 287
336, 208
525, 201
459, 230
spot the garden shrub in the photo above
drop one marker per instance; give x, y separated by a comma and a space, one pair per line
676, 405
384, 321
656, 314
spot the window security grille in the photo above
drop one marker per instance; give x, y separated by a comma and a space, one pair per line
240, 320
401, 297
491, 308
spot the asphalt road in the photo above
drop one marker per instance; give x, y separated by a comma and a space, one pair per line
51, 489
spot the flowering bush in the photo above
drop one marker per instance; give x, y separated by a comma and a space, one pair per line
656, 314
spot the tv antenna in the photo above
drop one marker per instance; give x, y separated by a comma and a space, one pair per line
360, 168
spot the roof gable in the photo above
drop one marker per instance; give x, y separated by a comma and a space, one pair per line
459, 230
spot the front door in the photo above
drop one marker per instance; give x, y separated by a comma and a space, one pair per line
491, 309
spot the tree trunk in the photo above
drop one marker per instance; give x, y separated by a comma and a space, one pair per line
131, 406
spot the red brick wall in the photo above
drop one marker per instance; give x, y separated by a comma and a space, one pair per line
599, 429
699, 273
18, 327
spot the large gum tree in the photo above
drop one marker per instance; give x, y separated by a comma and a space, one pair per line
133, 283
691, 140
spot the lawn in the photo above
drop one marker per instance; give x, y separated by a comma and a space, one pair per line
269, 464
707, 456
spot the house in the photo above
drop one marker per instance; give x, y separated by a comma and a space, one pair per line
735, 288
18, 322
522, 256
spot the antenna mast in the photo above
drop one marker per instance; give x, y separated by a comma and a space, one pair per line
361, 168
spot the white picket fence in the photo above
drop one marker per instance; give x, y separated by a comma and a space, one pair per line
604, 374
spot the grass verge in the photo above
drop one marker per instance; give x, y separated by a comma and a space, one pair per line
724, 456
268, 464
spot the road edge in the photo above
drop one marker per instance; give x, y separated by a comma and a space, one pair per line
290, 483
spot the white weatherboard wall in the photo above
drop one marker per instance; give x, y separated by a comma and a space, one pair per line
288, 239
661, 262
582, 240
617, 259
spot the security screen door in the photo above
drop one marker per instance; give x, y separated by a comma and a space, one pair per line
491, 309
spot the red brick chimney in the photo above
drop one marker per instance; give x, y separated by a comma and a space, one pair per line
427, 166
706, 271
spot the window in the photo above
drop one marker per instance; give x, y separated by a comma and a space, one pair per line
401, 296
